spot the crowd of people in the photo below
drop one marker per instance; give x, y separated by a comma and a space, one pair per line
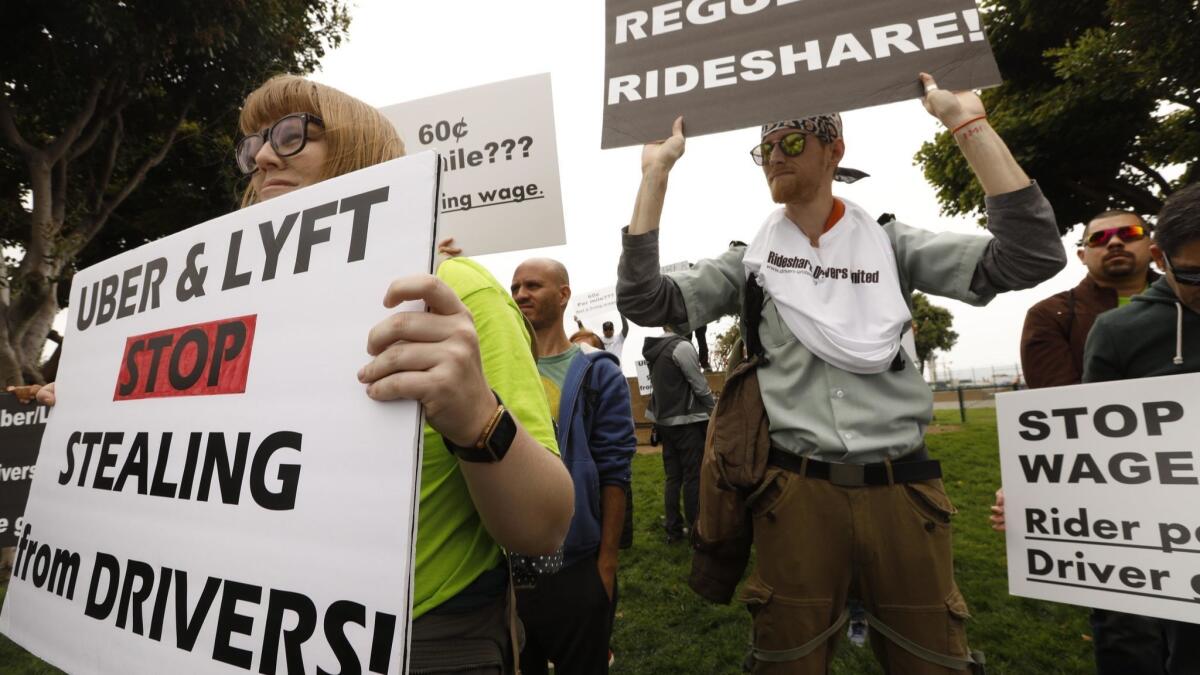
815, 458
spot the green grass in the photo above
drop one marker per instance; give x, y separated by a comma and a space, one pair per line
662, 627
17, 661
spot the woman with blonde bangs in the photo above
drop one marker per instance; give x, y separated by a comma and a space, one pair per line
355, 134
490, 475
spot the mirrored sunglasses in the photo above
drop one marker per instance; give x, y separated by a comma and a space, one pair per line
791, 145
287, 136
1126, 233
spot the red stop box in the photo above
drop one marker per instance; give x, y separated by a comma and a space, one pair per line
202, 359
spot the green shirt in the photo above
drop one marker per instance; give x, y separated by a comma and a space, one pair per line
453, 548
554, 372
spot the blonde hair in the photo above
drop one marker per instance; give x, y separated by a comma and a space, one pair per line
356, 134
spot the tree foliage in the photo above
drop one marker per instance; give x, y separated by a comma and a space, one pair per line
117, 120
722, 348
1101, 104
934, 330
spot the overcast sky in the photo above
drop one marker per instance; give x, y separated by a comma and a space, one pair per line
401, 51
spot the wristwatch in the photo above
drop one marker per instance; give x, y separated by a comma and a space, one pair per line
493, 443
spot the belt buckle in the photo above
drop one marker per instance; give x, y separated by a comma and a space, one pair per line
848, 475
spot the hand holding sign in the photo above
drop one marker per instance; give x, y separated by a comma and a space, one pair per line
431, 357
662, 155
951, 108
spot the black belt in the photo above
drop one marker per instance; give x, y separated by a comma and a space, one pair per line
911, 468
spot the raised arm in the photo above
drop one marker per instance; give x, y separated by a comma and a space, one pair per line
963, 114
657, 161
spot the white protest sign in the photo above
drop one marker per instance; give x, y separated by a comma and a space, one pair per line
596, 304
1102, 494
215, 492
645, 388
600, 304
499, 156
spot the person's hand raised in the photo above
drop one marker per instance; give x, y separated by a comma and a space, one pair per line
951, 108
662, 155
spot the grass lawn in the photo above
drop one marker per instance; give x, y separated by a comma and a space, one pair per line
662, 627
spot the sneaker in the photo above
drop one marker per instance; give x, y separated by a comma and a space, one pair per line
857, 632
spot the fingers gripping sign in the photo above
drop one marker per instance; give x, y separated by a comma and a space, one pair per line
431, 357
663, 154
953, 109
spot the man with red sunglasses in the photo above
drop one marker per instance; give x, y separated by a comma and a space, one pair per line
1115, 248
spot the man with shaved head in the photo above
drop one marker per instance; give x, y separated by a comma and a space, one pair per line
568, 615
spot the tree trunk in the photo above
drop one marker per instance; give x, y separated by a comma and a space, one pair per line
10, 365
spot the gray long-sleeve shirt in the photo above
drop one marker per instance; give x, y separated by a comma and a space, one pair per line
817, 409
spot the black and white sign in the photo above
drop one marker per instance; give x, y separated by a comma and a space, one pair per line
499, 157
730, 64
21, 426
216, 493
1102, 494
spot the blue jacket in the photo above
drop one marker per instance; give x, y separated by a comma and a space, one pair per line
596, 442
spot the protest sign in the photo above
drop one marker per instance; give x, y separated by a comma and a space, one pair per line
499, 156
596, 306
729, 64
593, 306
1101, 487
21, 426
215, 490
645, 388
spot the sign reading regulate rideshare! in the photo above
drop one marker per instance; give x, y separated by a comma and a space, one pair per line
730, 64
1101, 487
215, 492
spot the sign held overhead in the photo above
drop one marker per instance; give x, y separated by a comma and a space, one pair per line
730, 64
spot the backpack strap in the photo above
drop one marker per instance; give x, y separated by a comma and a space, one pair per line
752, 303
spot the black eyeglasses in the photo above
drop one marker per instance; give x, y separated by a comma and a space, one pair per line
1188, 277
287, 136
791, 145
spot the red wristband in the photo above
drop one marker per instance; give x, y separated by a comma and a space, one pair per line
966, 124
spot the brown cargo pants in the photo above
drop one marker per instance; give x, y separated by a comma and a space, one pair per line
818, 543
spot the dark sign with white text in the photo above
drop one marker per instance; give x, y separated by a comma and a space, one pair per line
730, 64
21, 426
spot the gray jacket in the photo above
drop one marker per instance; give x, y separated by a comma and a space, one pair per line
819, 410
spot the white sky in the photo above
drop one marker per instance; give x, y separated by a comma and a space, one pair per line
397, 51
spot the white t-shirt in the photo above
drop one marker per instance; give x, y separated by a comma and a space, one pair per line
842, 298
614, 345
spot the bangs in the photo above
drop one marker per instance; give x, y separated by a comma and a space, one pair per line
281, 95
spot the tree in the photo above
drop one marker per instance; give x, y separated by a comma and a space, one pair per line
933, 328
1101, 105
722, 348
94, 95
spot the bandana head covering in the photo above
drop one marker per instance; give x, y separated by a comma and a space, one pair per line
828, 128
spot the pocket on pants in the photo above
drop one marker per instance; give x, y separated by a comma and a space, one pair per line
939, 628
928, 499
782, 622
763, 501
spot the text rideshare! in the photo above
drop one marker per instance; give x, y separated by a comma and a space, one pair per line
879, 42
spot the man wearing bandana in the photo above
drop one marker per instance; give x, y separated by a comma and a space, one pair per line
852, 506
